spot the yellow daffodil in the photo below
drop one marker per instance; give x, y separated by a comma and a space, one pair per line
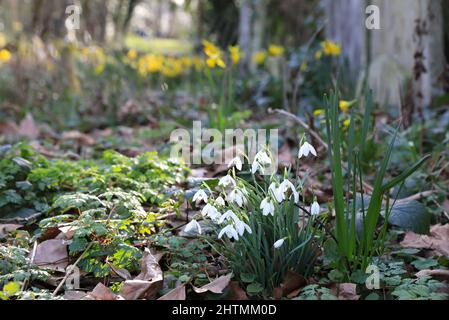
345, 105
346, 123
5, 55
275, 50
260, 57
214, 55
331, 48
234, 52
132, 54
318, 55
318, 112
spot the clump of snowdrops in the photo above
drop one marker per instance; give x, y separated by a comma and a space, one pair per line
264, 228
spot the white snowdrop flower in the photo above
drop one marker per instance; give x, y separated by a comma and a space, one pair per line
306, 149
238, 197
220, 201
192, 226
256, 166
285, 185
277, 192
236, 162
228, 215
278, 243
226, 181
230, 231
315, 209
267, 207
200, 196
211, 212
241, 226
262, 157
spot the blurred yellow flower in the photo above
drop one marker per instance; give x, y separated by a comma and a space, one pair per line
275, 50
318, 112
214, 55
345, 105
235, 54
132, 54
318, 55
260, 57
331, 48
5, 55
346, 123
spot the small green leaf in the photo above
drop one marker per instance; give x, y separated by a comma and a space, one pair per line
254, 288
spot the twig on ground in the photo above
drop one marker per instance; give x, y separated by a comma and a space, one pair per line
68, 273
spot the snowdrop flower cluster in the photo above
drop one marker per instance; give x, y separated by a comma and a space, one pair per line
234, 227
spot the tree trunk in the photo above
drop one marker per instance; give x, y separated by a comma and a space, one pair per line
245, 32
409, 46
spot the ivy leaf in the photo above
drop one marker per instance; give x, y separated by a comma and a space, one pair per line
412, 216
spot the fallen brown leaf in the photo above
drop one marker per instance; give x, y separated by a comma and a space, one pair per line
441, 275
178, 293
149, 282
27, 128
292, 282
438, 240
101, 292
5, 229
216, 286
236, 292
74, 295
52, 254
80, 137
346, 291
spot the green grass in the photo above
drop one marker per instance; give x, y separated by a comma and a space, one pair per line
158, 45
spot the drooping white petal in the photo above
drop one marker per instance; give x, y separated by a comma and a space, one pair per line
238, 197
306, 149
226, 181
267, 207
278, 243
277, 192
241, 226
229, 231
255, 167
192, 226
220, 201
227, 216
236, 162
200, 195
315, 209
263, 158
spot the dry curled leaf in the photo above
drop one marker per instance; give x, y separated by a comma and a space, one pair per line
346, 291
236, 292
178, 293
5, 229
216, 286
101, 292
438, 240
79, 137
442, 275
52, 254
27, 128
149, 282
